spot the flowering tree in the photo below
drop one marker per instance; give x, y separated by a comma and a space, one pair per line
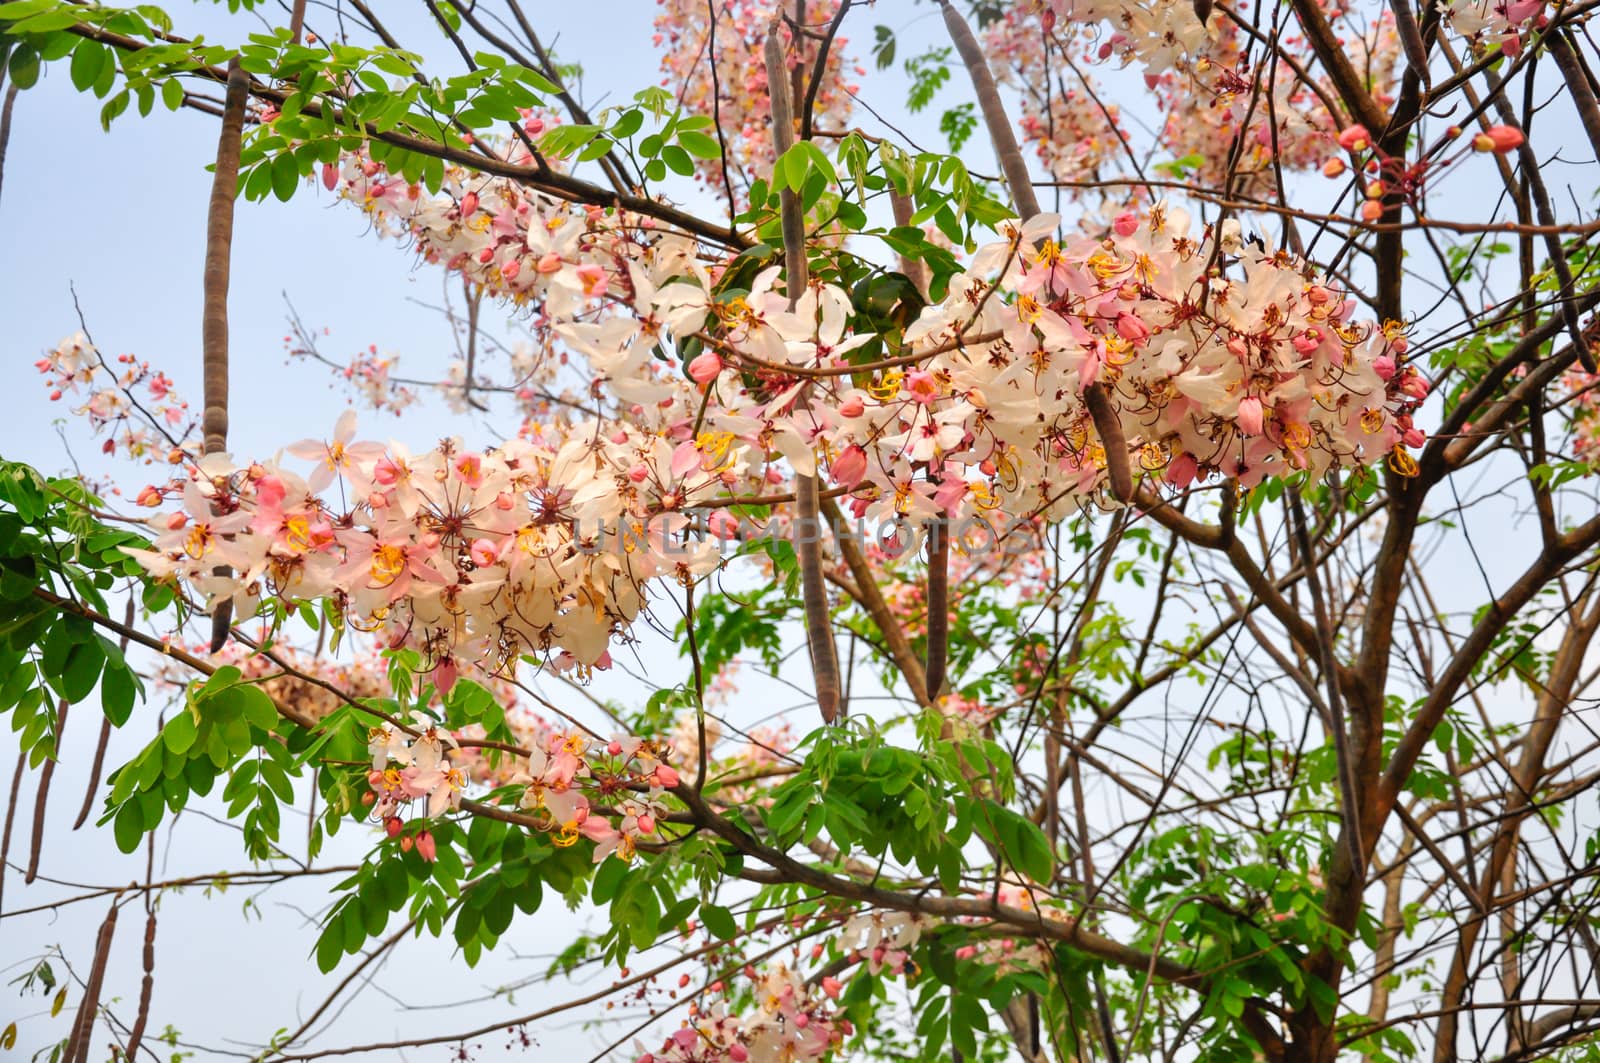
1196, 579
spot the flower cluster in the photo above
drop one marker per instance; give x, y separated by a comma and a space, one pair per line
462, 555
114, 395
1202, 79
789, 1020
611, 793
737, 96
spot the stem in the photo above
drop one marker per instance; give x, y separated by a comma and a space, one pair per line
214, 319
808, 527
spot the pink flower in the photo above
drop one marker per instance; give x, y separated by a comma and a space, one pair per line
1250, 415
922, 386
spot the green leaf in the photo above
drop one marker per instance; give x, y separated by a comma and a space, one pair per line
285, 176
179, 733
718, 920
88, 60
700, 145
128, 827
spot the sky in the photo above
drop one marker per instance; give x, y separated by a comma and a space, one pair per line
112, 224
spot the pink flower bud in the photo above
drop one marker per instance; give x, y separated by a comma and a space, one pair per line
738, 1053
330, 176
639, 473
852, 407
1126, 223
1131, 328
176, 521
1334, 167
469, 204
666, 777
534, 126
850, 467
1413, 437
1307, 341
1498, 139
427, 848
1250, 415
550, 262
1371, 210
1182, 470
510, 270
1384, 366
149, 497
1355, 138
705, 367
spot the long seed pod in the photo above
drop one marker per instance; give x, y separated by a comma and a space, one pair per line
105, 733
994, 112
297, 25
83, 1026
214, 319
11, 817
938, 605
808, 526
148, 983
1109, 426
47, 771
5, 127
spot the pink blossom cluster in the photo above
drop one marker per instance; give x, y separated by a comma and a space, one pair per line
739, 101
573, 786
1488, 23
1202, 80
790, 1019
114, 394
368, 374
1583, 388
465, 556
611, 793
1253, 369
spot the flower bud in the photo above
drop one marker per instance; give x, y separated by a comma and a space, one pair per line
1355, 138
1334, 167
392, 826
1499, 139
850, 467
705, 367
1126, 223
